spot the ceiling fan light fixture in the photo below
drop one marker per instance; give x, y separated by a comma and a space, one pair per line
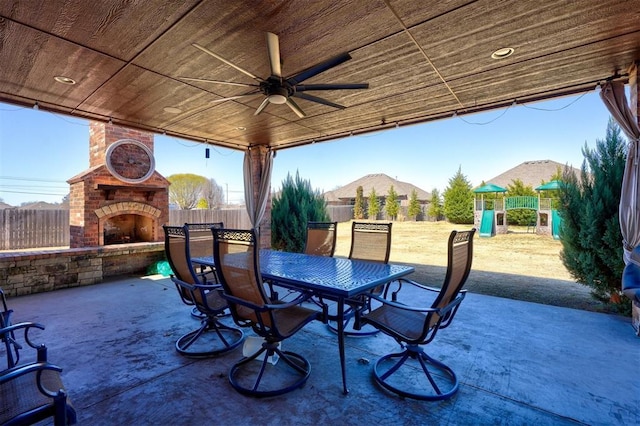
277, 99
502, 53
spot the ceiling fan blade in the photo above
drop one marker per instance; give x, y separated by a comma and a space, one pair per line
318, 68
318, 100
273, 46
220, 58
295, 108
304, 87
262, 106
230, 98
230, 83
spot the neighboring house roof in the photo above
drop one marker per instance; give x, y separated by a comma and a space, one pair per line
41, 205
381, 183
531, 173
4, 205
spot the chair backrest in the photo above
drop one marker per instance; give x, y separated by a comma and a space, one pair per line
321, 238
201, 239
238, 264
370, 241
459, 258
176, 247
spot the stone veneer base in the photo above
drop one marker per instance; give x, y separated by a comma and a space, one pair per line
47, 270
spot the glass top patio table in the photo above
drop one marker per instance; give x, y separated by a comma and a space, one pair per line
330, 277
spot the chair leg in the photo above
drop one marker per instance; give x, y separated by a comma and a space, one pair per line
227, 338
260, 386
441, 382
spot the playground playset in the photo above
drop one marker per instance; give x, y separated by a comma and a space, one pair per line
490, 215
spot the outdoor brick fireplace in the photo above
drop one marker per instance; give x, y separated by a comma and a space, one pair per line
120, 198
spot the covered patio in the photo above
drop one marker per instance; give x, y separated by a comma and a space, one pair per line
138, 65
518, 363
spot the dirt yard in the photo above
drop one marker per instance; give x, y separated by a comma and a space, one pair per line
518, 265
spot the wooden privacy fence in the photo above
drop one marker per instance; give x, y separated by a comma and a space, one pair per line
22, 229
26, 229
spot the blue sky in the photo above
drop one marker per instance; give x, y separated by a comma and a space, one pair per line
39, 150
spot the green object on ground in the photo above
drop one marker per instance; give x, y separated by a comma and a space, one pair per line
160, 267
486, 225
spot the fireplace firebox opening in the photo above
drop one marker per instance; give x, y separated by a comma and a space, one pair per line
128, 228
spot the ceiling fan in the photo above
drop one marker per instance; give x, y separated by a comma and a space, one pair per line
278, 89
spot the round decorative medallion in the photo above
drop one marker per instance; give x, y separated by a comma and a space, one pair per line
130, 161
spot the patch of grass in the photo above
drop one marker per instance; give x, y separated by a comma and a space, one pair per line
517, 265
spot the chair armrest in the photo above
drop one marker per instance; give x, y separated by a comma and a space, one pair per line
419, 285
21, 370
7, 332
298, 300
400, 282
400, 305
441, 311
208, 286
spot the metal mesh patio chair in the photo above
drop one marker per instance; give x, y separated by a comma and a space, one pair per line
414, 326
33, 391
321, 238
201, 245
238, 264
213, 337
371, 242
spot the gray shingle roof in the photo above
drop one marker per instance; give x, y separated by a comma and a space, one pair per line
381, 183
531, 173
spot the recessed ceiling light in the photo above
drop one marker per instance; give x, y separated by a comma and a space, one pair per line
502, 53
172, 110
241, 128
64, 80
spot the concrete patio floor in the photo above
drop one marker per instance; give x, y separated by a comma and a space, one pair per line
518, 363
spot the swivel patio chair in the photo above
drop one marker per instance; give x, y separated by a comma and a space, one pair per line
321, 238
201, 245
238, 264
414, 326
371, 242
212, 337
31, 392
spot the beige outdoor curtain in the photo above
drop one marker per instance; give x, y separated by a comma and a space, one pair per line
615, 99
256, 207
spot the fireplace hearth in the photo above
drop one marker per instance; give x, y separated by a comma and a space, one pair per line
120, 198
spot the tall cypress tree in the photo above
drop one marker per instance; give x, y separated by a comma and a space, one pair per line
414, 205
358, 207
458, 199
296, 205
590, 231
373, 207
391, 205
436, 209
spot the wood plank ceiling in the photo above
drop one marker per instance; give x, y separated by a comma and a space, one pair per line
423, 60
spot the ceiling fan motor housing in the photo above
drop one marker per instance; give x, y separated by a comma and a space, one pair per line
276, 91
